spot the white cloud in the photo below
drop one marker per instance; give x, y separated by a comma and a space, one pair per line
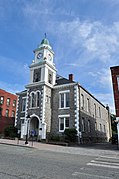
105, 78
99, 40
106, 99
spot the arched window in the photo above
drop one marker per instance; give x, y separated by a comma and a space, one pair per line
37, 98
32, 100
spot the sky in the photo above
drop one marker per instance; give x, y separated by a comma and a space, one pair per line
84, 35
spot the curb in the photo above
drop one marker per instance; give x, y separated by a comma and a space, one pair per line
18, 145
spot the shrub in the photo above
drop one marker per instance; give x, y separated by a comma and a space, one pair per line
71, 134
55, 138
10, 131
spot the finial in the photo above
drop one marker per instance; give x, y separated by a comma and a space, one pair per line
45, 35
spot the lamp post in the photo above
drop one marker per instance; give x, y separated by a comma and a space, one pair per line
26, 142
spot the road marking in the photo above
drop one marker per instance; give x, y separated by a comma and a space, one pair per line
104, 162
117, 158
90, 175
101, 165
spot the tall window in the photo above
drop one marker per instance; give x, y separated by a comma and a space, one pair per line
89, 129
33, 100
83, 125
13, 113
94, 110
63, 123
67, 99
8, 101
37, 75
64, 100
1, 100
14, 103
104, 129
95, 126
7, 112
88, 105
38, 98
100, 127
99, 112
82, 101
23, 104
50, 78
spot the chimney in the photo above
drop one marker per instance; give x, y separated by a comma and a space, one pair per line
71, 77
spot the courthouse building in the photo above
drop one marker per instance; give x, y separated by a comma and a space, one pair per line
52, 103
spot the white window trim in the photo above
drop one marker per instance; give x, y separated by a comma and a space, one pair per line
66, 91
63, 92
82, 101
34, 107
63, 116
35, 93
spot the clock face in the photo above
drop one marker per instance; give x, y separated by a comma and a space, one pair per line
39, 55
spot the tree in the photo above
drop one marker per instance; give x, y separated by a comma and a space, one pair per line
10, 131
113, 124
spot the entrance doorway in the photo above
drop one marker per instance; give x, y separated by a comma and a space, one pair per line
34, 127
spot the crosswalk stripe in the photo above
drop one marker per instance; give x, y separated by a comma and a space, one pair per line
102, 165
90, 175
109, 157
104, 162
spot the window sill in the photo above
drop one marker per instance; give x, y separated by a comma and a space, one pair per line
65, 108
61, 131
34, 108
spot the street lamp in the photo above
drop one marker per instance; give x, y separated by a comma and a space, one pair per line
26, 142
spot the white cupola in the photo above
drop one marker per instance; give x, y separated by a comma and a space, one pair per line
42, 68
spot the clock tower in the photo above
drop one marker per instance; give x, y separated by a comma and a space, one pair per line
39, 90
42, 69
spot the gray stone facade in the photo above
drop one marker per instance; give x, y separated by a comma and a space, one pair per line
51, 104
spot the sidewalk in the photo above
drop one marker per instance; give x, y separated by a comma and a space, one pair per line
82, 150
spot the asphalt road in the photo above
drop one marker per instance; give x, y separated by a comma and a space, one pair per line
29, 163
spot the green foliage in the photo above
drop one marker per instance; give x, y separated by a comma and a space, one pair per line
55, 138
70, 135
113, 124
10, 131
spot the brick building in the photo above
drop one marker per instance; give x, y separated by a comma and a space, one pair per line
115, 83
52, 103
7, 109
